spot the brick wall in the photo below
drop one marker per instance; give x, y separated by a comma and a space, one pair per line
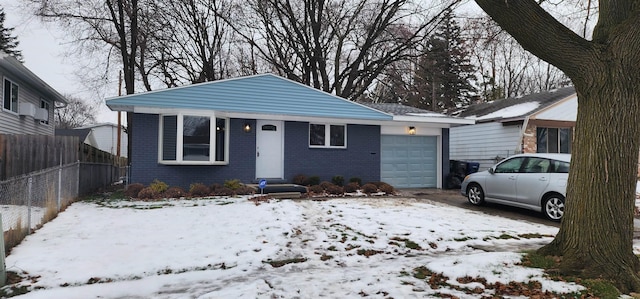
529, 140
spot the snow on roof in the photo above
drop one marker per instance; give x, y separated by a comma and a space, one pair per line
512, 111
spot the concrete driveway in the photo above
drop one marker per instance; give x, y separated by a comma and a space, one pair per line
454, 198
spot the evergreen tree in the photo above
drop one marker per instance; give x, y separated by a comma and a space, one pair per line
444, 75
8, 43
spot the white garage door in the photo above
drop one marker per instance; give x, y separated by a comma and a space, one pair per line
409, 161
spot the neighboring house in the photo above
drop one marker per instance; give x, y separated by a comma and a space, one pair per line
268, 127
84, 135
536, 123
104, 137
28, 102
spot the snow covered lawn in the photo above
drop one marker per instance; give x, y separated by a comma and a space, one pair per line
235, 248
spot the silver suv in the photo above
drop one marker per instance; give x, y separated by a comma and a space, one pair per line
532, 181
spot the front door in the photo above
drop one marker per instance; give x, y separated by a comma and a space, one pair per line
269, 149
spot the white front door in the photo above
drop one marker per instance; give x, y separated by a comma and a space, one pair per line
269, 149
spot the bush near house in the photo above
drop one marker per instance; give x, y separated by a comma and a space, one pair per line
159, 190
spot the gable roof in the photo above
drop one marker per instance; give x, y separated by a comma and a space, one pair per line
259, 94
517, 108
80, 133
14, 67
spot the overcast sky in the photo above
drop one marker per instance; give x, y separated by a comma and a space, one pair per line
43, 53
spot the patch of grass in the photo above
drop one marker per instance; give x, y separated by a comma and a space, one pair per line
595, 288
462, 239
601, 288
533, 236
368, 252
534, 260
280, 263
325, 257
407, 243
507, 237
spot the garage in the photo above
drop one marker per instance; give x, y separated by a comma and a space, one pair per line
409, 161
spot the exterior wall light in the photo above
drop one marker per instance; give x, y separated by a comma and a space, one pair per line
412, 130
247, 127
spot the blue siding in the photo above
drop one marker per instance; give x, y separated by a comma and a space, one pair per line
360, 159
264, 94
145, 167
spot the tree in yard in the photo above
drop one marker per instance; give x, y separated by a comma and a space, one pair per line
444, 75
77, 113
338, 46
506, 69
596, 233
8, 42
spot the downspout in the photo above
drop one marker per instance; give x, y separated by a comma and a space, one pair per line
519, 146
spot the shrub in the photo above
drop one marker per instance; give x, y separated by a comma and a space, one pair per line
338, 180
148, 193
158, 186
299, 179
232, 184
133, 190
174, 192
351, 187
316, 189
335, 190
356, 180
199, 189
326, 185
386, 188
245, 190
313, 180
224, 191
369, 188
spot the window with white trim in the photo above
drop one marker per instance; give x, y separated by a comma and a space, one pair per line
45, 105
193, 139
10, 95
327, 135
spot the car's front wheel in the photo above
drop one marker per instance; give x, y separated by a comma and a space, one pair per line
475, 195
553, 207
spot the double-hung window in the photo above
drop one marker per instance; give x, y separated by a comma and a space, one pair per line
10, 96
193, 139
327, 135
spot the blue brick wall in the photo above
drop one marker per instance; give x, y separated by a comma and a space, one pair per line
145, 167
360, 159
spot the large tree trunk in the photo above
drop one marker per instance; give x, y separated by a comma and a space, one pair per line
596, 234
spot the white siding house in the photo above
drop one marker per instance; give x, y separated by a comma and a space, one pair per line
104, 136
485, 143
27, 101
541, 122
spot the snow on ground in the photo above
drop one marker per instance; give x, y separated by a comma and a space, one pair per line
230, 248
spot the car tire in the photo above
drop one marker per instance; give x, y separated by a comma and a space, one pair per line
475, 194
553, 207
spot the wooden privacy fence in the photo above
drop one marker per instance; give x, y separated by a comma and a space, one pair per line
21, 154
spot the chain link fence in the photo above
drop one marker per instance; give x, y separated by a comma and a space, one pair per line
29, 201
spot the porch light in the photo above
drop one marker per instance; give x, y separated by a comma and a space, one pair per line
412, 130
247, 128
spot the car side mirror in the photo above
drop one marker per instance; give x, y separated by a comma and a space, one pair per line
491, 170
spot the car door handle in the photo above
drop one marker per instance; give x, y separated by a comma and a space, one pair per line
513, 177
542, 179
